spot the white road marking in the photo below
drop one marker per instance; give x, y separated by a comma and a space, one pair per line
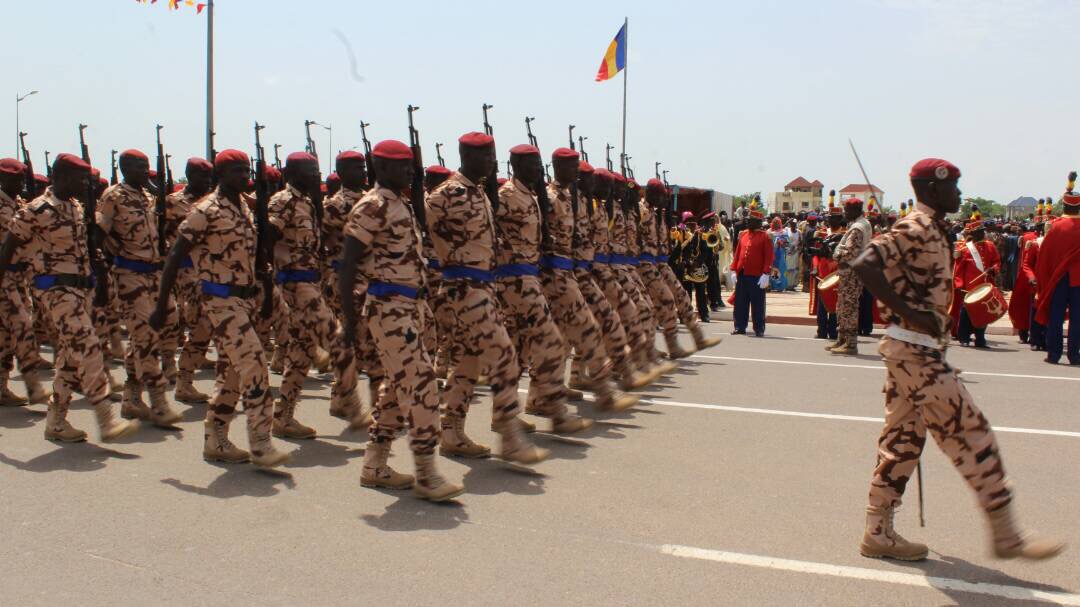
1004, 591
875, 367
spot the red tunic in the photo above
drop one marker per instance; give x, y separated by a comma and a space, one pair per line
1020, 301
1058, 255
966, 275
754, 256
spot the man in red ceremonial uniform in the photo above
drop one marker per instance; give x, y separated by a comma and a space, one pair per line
977, 263
1024, 289
753, 261
1058, 279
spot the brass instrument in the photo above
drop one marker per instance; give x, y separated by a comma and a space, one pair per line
712, 238
696, 270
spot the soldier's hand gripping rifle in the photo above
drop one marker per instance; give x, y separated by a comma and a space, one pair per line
262, 248
369, 162
159, 206
417, 189
30, 186
97, 265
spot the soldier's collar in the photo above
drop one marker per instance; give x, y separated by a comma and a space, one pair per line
461, 178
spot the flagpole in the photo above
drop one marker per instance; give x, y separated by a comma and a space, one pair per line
210, 80
626, 69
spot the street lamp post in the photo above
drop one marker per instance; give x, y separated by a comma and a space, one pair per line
18, 100
329, 146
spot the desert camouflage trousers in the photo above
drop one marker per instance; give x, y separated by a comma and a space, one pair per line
922, 393
16, 328
409, 395
578, 326
688, 316
661, 295
79, 363
607, 278
484, 346
529, 320
611, 326
137, 294
438, 325
310, 325
630, 282
241, 369
362, 355
847, 305
191, 333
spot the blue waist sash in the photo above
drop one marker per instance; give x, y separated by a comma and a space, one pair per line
516, 269
584, 264
135, 265
662, 258
623, 260
458, 272
217, 289
386, 289
556, 262
187, 263
434, 264
335, 265
286, 276
647, 258
602, 258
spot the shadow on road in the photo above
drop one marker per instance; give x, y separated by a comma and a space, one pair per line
312, 453
19, 417
410, 513
75, 457
492, 477
957, 568
238, 480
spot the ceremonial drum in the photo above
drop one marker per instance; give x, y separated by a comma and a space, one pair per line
984, 305
828, 292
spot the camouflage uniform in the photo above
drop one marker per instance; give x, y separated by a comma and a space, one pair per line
188, 296
607, 277
16, 329
54, 241
297, 261
223, 237
643, 234
126, 216
850, 287
622, 262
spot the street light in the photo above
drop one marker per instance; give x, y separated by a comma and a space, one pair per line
18, 100
329, 146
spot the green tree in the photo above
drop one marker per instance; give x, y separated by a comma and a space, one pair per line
745, 199
988, 208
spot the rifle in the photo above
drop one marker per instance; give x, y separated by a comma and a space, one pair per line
168, 175
581, 148
48, 166
438, 154
492, 183
541, 188
30, 185
277, 158
607, 152
571, 129
533, 142
656, 167
159, 207
101, 285
262, 250
369, 162
213, 156
112, 162
310, 141
417, 193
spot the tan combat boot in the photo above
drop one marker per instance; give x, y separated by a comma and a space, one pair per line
880, 540
455, 443
7, 397
168, 366
429, 484
841, 341
110, 428
565, 422
263, 453
35, 391
614, 401
516, 447
217, 447
573, 393
322, 362
377, 473
116, 387
675, 351
1009, 542
277, 364
57, 427
162, 414
700, 341
133, 406
361, 419
186, 392
850, 347
116, 347
285, 424
344, 407
631, 379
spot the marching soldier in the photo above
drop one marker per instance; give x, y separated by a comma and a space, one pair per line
850, 288
126, 217
909, 270
220, 237
460, 222
53, 233
382, 241
438, 327
298, 263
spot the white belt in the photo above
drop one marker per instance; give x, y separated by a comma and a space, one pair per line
913, 337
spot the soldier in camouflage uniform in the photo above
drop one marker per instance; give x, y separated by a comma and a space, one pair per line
437, 326
126, 217
461, 225
51, 233
220, 237
199, 172
850, 288
16, 329
518, 238
382, 242
298, 264
909, 269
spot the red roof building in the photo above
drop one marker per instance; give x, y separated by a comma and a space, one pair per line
861, 191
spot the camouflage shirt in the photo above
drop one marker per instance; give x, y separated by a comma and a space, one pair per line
293, 214
559, 239
8, 207
177, 207
517, 224
383, 222
647, 230
54, 233
599, 233
223, 233
126, 215
584, 249
918, 265
335, 215
461, 225
617, 230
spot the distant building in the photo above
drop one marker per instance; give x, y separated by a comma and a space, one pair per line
1020, 208
862, 192
799, 195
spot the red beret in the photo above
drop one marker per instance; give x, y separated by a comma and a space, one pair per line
38, 177
655, 184
297, 157
273, 174
103, 182
178, 187
585, 167
95, 172
502, 180
602, 173
349, 155
229, 156
853, 202
709, 215
618, 177
199, 164
133, 153
152, 174
323, 188
71, 161
632, 184
333, 178
392, 149
524, 149
437, 169
476, 140
565, 154
934, 169
11, 166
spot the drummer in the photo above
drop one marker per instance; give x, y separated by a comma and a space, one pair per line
820, 245
977, 263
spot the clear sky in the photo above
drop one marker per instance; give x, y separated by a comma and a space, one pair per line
736, 96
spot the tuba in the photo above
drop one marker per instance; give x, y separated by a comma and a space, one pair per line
712, 238
696, 270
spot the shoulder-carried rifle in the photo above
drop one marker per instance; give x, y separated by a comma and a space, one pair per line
30, 185
277, 156
491, 185
369, 162
159, 207
571, 129
114, 178
417, 190
541, 188
101, 285
438, 154
607, 152
48, 166
169, 184
581, 148
262, 249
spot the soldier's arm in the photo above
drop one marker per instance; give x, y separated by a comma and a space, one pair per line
354, 252
869, 267
181, 249
7, 251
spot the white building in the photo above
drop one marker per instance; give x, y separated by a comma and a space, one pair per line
798, 196
862, 192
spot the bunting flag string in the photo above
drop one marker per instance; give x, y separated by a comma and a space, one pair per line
174, 5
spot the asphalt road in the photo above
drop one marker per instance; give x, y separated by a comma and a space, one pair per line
740, 480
